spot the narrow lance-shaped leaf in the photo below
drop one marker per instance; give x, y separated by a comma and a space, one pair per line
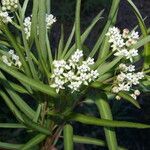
11, 125
35, 84
11, 106
42, 28
17, 48
20, 103
77, 25
92, 141
129, 98
33, 142
85, 34
90, 120
68, 137
144, 32
112, 13
105, 113
61, 42
68, 41
10, 146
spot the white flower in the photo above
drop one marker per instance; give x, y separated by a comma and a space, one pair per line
6, 61
140, 75
132, 53
12, 59
69, 76
123, 52
58, 71
121, 77
83, 68
58, 84
125, 33
123, 67
27, 27
11, 52
118, 97
10, 5
4, 16
59, 63
115, 89
50, 19
134, 35
77, 55
124, 87
137, 92
93, 75
134, 96
89, 61
74, 86
131, 68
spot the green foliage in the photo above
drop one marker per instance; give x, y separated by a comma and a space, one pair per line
56, 112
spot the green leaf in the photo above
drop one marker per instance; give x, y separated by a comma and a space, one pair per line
90, 120
42, 29
112, 14
144, 32
35, 84
129, 98
34, 126
104, 68
85, 34
20, 103
17, 48
33, 142
25, 4
61, 42
68, 137
141, 42
11, 106
12, 125
68, 41
92, 141
10, 146
77, 25
101, 101
34, 20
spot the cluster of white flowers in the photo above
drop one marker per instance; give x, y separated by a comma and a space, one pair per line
73, 73
121, 42
11, 59
4, 17
50, 19
9, 5
127, 79
27, 27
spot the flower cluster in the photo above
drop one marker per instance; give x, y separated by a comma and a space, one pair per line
127, 79
27, 27
121, 42
73, 73
11, 59
50, 19
9, 5
4, 17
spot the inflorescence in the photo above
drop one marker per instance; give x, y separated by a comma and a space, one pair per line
127, 79
50, 19
10, 5
121, 43
11, 59
73, 73
4, 17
